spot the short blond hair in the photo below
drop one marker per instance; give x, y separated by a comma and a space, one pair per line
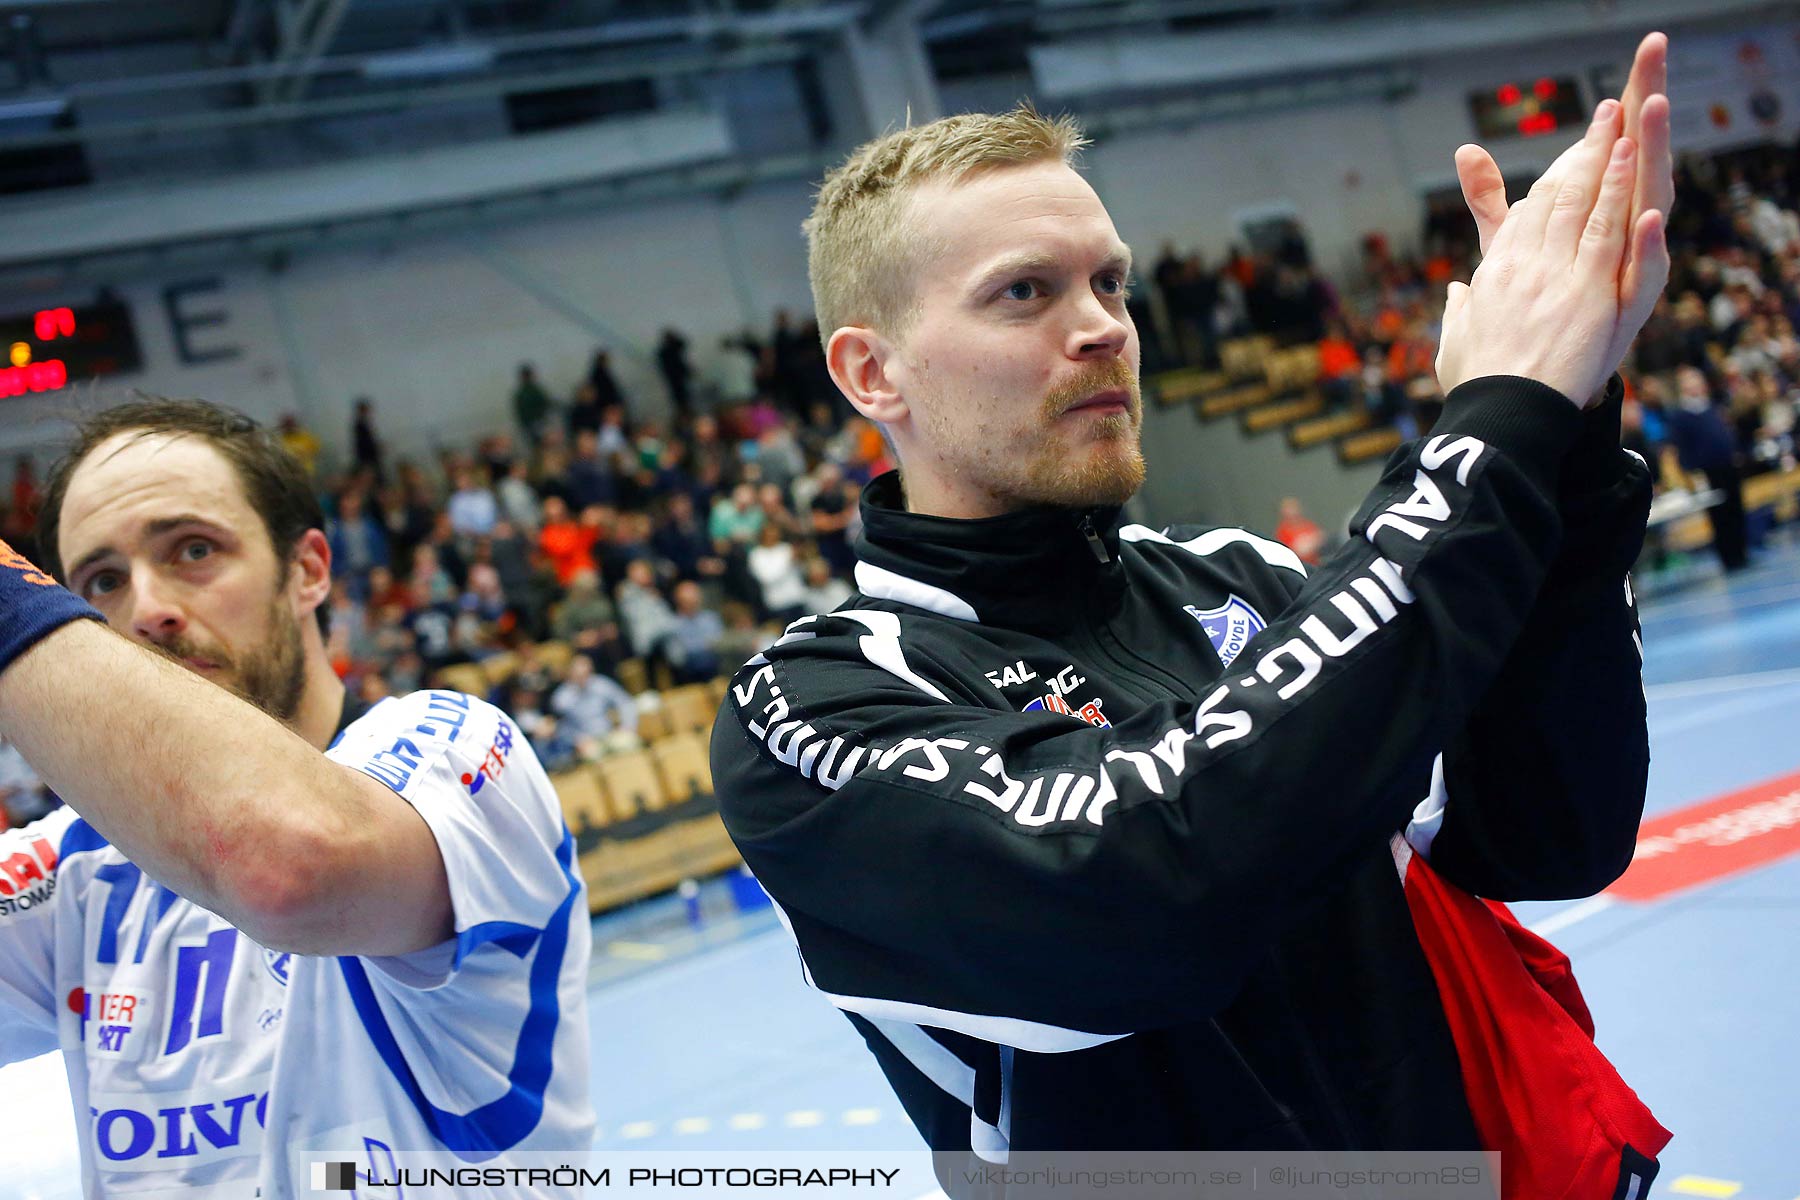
860, 242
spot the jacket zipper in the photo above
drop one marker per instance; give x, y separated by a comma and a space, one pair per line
1093, 538
1169, 686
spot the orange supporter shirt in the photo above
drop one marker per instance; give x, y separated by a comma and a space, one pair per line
1338, 358
1303, 537
570, 548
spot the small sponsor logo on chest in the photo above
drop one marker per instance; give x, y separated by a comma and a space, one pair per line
115, 1021
1058, 699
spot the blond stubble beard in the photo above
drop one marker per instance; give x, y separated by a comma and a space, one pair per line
1107, 469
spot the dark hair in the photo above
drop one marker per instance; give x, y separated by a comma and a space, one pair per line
273, 480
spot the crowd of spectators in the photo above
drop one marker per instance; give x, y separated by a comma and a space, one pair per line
684, 544
1713, 387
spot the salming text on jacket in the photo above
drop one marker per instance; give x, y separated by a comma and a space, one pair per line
1087, 828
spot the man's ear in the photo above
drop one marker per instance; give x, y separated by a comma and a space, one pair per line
310, 569
858, 359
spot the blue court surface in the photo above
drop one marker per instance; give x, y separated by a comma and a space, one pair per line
705, 1036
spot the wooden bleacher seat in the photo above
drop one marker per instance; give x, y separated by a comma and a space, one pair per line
583, 801
1370, 443
465, 677
1218, 404
716, 687
1298, 367
1779, 490
631, 784
500, 667
683, 763
702, 847
690, 707
1185, 383
1282, 412
1243, 358
1312, 432
633, 676
653, 721
555, 656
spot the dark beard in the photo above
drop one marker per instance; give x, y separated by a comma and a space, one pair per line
271, 676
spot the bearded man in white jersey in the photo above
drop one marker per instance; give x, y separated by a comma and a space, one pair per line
271, 926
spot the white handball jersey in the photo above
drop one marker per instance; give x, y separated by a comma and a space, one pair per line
202, 1065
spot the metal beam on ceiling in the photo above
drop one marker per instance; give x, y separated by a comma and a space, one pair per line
635, 66
823, 20
305, 30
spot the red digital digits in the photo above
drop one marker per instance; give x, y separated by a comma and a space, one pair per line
52, 323
44, 376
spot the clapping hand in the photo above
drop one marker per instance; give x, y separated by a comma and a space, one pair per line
1570, 273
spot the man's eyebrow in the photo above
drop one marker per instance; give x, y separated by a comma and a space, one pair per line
1017, 264
1039, 260
156, 528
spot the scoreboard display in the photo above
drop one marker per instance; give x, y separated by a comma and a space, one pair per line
1527, 109
54, 347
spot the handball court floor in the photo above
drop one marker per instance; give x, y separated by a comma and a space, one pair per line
704, 1036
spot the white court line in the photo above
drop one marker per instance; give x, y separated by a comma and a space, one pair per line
1720, 683
1569, 916
1719, 604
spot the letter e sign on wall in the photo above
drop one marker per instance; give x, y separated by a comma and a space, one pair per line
186, 316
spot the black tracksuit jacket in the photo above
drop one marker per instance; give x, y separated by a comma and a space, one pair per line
1095, 861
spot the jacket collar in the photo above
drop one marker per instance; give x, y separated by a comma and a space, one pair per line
1028, 570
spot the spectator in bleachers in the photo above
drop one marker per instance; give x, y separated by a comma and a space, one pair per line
776, 569
682, 542
706, 449
736, 518
384, 590
590, 477
350, 640
445, 543
1705, 442
628, 542
594, 708
734, 370
531, 404
432, 623
830, 511
472, 508
742, 637
1340, 365
519, 502
405, 520
587, 620
358, 542
644, 612
567, 543
429, 582
694, 638
485, 600
1300, 533
600, 377
771, 499
672, 361
777, 454
366, 449
824, 592
584, 412
300, 442
612, 438
23, 796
